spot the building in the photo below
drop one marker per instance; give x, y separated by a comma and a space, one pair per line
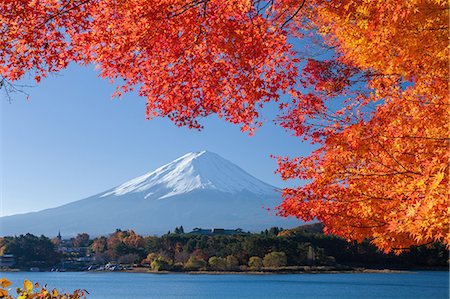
217, 231
7, 261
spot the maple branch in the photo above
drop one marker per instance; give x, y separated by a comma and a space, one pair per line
381, 223
371, 197
62, 11
186, 7
433, 29
367, 226
10, 88
293, 15
376, 160
259, 9
357, 175
396, 161
409, 248
417, 137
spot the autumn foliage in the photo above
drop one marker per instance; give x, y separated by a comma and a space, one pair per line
30, 291
376, 103
381, 171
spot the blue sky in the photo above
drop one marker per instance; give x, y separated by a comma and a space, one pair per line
71, 140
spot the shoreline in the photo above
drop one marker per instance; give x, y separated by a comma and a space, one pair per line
297, 270
267, 272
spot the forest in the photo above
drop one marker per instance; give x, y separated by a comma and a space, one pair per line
268, 250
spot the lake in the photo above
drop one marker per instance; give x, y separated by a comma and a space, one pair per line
421, 284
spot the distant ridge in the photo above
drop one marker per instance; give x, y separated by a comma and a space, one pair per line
315, 228
199, 189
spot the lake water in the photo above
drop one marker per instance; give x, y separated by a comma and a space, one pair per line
433, 284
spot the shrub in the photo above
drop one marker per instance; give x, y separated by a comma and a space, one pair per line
160, 264
255, 263
217, 263
195, 263
232, 262
275, 259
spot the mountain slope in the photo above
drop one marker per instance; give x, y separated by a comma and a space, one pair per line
199, 170
199, 189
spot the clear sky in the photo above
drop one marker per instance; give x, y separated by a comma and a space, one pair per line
71, 140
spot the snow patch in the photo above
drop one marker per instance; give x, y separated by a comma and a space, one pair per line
194, 171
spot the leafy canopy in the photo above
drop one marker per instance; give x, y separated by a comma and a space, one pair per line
376, 106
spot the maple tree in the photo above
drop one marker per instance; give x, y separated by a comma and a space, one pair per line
376, 105
381, 171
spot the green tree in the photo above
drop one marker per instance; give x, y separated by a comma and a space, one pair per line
160, 264
179, 230
274, 231
232, 262
217, 263
275, 259
195, 263
152, 256
255, 263
30, 250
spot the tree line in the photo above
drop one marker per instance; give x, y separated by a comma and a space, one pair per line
179, 251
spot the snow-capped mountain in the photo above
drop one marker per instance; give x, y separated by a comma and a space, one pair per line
193, 171
199, 189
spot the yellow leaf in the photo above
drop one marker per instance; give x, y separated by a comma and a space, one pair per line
5, 282
54, 293
28, 286
437, 180
3, 293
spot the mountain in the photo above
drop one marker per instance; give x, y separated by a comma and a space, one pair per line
199, 189
194, 171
